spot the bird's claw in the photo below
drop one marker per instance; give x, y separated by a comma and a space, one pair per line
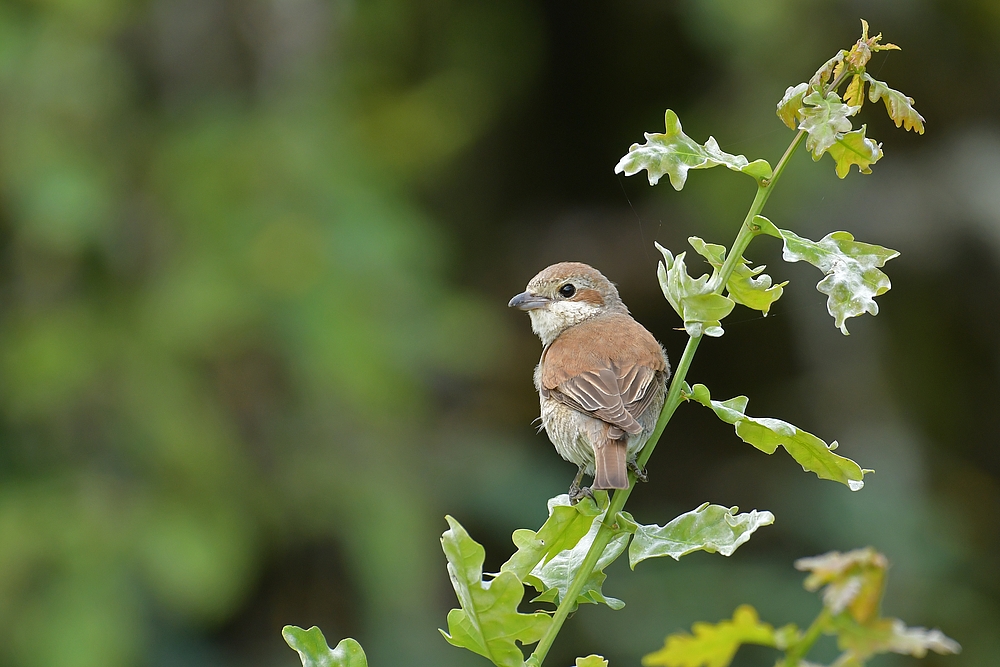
576, 494
640, 473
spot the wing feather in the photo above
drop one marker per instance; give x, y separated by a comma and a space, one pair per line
585, 370
598, 394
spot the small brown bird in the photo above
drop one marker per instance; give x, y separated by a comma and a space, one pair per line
602, 377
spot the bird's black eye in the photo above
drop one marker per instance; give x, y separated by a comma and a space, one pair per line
567, 290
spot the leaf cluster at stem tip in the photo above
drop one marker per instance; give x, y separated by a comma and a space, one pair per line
816, 108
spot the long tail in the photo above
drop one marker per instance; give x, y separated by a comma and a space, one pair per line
610, 470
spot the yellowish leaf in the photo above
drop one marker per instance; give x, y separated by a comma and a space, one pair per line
713, 645
855, 94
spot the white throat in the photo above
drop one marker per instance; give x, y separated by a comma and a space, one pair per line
550, 321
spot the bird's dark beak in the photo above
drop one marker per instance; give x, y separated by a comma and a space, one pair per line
528, 301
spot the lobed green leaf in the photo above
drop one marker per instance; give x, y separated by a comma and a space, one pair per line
890, 635
768, 434
758, 170
567, 523
855, 148
824, 118
861, 53
693, 299
673, 153
822, 75
898, 105
917, 641
853, 278
854, 96
713, 252
553, 578
713, 645
711, 528
488, 622
746, 286
789, 107
314, 652
592, 661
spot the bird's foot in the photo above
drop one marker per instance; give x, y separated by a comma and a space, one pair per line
640, 473
576, 494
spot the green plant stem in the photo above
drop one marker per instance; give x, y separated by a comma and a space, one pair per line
748, 229
801, 648
673, 400
601, 540
674, 397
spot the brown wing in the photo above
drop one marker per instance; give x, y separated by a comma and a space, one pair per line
605, 367
639, 389
597, 393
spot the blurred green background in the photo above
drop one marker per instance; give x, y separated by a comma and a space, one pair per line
255, 257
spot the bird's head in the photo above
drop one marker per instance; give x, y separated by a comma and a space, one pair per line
565, 294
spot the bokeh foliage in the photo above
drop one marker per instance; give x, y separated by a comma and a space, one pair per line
221, 311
